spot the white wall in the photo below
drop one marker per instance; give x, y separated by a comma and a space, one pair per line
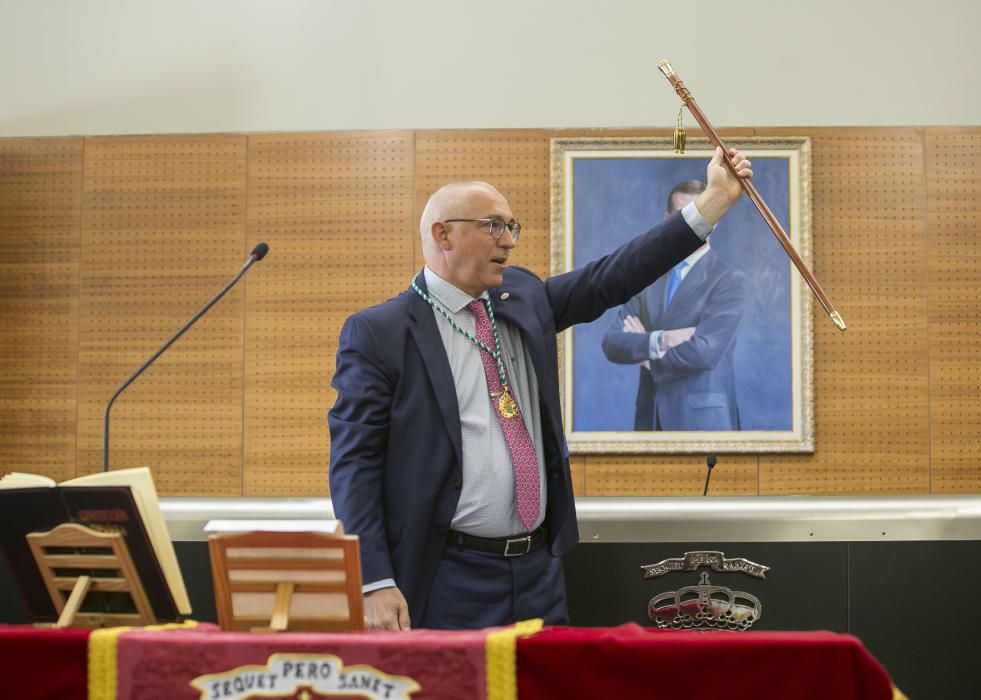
166, 66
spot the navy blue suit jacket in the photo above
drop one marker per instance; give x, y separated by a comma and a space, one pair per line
396, 445
692, 387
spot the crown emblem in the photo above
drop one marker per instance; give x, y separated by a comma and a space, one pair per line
704, 605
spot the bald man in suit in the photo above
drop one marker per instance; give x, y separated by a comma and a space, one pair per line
447, 454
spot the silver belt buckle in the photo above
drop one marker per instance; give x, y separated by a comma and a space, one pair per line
507, 546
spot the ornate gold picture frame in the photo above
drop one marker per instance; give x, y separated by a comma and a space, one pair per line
747, 389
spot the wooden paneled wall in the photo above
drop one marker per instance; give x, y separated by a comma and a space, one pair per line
336, 210
108, 244
163, 225
40, 233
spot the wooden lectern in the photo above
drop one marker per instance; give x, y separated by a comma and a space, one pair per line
278, 581
75, 558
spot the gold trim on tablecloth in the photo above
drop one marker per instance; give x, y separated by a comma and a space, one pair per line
103, 644
502, 673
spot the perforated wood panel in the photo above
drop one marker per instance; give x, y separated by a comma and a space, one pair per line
898, 397
336, 211
954, 216
872, 415
674, 475
40, 207
577, 464
163, 230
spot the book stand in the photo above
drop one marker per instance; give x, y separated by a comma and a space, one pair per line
95, 562
277, 581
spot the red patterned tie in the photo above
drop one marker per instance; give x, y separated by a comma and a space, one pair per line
527, 492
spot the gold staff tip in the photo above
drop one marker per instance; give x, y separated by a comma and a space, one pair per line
665, 67
838, 321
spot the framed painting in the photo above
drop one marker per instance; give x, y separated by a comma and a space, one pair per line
715, 357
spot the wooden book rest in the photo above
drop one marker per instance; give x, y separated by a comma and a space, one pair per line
98, 562
277, 581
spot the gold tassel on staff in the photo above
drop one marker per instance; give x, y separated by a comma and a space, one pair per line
680, 135
688, 101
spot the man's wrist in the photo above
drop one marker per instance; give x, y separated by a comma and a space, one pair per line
693, 217
712, 204
656, 345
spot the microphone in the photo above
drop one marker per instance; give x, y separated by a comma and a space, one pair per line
257, 254
710, 463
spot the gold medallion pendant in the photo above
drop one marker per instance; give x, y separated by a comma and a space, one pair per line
506, 405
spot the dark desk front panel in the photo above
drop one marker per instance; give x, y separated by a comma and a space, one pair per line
913, 604
805, 589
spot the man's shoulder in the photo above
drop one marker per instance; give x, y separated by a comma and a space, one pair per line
526, 284
385, 311
514, 275
377, 328
723, 266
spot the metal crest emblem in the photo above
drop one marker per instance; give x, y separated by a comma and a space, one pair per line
705, 606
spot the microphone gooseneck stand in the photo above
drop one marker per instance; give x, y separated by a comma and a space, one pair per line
709, 463
257, 254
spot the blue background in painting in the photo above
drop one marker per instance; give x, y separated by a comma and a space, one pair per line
618, 198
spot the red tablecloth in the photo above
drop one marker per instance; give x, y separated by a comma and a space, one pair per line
37, 663
635, 662
558, 662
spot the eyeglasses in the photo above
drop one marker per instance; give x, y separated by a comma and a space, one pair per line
495, 226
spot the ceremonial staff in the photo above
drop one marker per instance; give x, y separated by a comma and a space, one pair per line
688, 101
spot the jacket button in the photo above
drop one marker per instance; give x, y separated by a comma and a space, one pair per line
458, 483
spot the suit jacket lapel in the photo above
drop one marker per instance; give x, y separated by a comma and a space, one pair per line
694, 282
517, 311
652, 303
427, 337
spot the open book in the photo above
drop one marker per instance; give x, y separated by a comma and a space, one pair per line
117, 501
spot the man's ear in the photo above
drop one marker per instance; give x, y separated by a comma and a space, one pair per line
440, 233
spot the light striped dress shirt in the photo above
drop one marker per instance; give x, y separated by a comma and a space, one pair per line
486, 507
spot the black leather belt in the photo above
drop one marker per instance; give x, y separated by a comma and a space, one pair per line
505, 546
